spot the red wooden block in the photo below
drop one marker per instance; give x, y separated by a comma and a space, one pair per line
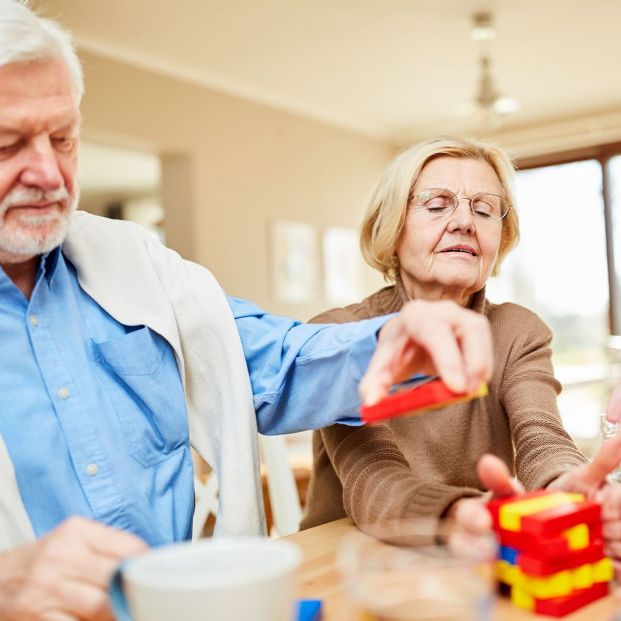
553, 522
561, 606
545, 548
534, 565
423, 397
493, 506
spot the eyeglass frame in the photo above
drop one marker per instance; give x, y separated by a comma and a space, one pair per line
470, 199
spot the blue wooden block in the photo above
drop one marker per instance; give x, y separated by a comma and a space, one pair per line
509, 554
309, 610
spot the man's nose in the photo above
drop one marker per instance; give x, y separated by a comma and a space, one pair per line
42, 169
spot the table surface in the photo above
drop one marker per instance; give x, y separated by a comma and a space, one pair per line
318, 578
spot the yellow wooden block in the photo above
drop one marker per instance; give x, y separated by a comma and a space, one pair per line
556, 585
603, 571
501, 570
507, 573
513, 574
582, 577
522, 599
577, 537
510, 515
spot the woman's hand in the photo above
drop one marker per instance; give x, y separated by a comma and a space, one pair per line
471, 514
436, 338
590, 479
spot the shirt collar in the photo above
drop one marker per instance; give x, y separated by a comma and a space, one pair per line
49, 263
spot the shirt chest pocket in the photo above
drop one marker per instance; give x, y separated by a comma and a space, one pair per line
139, 373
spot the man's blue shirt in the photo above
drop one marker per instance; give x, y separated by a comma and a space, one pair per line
93, 414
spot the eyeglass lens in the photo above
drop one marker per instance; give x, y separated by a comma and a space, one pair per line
440, 201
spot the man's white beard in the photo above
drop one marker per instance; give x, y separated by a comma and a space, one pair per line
34, 234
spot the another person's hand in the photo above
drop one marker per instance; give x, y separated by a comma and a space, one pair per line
437, 338
589, 479
64, 575
613, 410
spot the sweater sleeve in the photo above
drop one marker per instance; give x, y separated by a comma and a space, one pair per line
528, 392
378, 482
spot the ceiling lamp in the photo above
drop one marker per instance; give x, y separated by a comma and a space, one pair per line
488, 106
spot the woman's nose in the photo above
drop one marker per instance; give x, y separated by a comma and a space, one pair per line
462, 217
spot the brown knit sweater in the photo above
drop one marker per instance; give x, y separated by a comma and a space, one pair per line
419, 465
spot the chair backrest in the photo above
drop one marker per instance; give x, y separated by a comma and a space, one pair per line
281, 486
282, 489
205, 502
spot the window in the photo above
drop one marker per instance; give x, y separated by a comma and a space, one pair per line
560, 270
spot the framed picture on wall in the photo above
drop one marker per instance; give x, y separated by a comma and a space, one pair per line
295, 270
343, 267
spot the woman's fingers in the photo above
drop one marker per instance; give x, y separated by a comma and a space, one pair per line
496, 477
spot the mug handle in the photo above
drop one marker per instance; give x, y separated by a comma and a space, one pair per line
116, 595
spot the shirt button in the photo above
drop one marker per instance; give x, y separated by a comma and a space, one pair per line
92, 469
34, 321
63, 393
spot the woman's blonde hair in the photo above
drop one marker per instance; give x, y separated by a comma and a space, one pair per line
385, 217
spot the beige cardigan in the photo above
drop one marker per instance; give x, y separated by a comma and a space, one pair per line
420, 465
140, 282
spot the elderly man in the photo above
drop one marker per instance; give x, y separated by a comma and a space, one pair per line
117, 355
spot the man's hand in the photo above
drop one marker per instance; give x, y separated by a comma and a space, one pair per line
613, 410
437, 338
64, 575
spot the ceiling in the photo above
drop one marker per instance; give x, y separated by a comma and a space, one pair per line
393, 69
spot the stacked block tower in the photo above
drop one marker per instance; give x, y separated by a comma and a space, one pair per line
551, 559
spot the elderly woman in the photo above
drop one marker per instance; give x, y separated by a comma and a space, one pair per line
439, 224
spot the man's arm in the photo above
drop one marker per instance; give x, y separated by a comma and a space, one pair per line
303, 375
307, 376
65, 574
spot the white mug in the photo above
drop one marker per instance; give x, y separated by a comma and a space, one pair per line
220, 579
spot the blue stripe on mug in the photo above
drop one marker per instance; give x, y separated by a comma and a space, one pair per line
116, 594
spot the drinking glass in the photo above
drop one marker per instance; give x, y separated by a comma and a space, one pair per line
610, 430
418, 570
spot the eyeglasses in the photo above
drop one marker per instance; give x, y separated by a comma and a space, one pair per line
440, 202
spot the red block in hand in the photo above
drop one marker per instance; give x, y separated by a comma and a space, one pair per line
416, 400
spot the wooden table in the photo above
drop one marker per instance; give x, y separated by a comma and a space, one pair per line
319, 579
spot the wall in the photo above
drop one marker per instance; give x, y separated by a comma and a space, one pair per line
246, 165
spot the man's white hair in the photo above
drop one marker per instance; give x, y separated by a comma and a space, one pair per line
25, 36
